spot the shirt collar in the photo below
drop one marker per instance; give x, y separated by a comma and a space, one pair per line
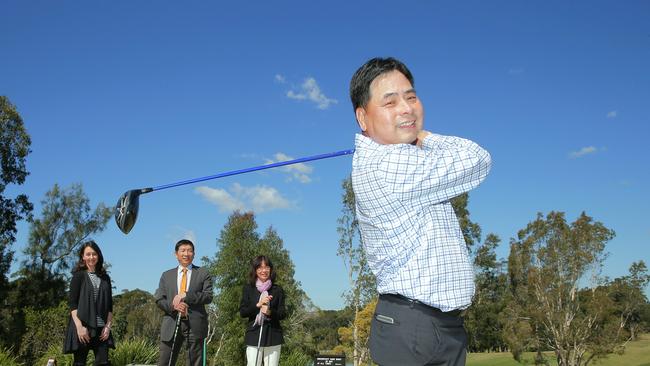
365, 142
189, 268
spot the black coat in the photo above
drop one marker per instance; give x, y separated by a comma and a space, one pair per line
272, 333
82, 299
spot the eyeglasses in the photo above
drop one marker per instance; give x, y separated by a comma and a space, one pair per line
263, 268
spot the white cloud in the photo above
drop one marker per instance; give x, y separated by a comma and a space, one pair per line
299, 171
309, 90
612, 114
224, 200
177, 233
280, 78
293, 95
258, 198
582, 152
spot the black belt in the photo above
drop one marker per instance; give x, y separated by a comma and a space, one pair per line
399, 299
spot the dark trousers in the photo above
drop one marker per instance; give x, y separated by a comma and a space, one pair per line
99, 348
408, 333
194, 347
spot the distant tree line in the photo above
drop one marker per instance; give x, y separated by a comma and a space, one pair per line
547, 296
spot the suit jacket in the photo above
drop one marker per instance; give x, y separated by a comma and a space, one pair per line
272, 332
199, 293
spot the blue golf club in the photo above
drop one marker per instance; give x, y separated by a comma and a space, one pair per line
126, 211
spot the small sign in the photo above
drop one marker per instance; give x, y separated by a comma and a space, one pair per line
328, 360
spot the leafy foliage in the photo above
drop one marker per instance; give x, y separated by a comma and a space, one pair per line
471, 230
135, 316
55, 351
294, 358
547, 309
7, 358
44, 329
482, 321
362, 328
139, 351
14, 148
322, 329
361, 280
66, 222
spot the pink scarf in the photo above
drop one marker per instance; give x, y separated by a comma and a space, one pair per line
262, 287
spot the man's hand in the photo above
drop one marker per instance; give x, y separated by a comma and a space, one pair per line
420, 138
181, 308
177, 300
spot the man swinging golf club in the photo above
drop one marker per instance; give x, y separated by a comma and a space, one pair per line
182, 295
403, 178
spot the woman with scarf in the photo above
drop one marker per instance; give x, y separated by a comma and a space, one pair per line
91, 308
263, 304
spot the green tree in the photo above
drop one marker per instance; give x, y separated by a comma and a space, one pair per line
471, 230
14, 148
359, 331
237, 245
629, 297
322, 329
361, 281
484, 327
135, 316
547, 263
66, 222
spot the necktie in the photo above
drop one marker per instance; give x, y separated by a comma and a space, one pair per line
183, 288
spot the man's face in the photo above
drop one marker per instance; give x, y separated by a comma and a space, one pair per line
185, 255
394, 114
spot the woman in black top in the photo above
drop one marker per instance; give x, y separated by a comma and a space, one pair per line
263, 304
91, 308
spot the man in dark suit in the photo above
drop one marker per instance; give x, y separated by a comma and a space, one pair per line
184, 291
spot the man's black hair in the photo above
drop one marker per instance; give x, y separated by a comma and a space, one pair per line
361, 80
183, 242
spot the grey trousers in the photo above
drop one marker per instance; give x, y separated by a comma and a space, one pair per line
408, 333
194, 347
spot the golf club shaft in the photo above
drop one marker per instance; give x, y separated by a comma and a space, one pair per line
259, 341
247, 170
178, 322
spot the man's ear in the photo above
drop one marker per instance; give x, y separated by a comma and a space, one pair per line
361, 118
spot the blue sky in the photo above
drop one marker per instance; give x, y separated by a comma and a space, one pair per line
127, 94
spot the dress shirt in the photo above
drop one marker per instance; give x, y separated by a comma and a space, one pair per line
410, 232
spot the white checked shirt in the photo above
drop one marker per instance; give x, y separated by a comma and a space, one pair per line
408, 227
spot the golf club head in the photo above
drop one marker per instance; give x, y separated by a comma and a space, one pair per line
126, 210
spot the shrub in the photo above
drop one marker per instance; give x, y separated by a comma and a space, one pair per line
7, 358
55, 351
295, 358
134, 351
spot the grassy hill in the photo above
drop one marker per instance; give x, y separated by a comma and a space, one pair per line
637, 353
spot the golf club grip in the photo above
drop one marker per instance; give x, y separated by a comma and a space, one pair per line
256, 168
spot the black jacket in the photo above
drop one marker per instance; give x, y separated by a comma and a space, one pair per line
82, 299
272, 333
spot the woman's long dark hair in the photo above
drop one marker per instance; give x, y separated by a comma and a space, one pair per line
255, 264
81, 265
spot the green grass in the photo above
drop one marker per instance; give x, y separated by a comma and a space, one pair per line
637, 353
